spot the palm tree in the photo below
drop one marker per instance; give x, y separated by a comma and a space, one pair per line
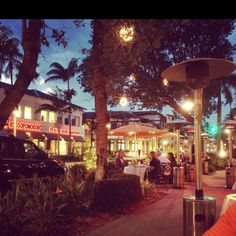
5, 34
217, 89
11, 56
58, 72
58, 105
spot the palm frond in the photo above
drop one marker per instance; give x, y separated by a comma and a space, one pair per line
51, 78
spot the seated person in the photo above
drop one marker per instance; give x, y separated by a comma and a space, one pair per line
120, 163
154, 169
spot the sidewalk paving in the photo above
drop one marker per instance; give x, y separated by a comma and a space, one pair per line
165, 218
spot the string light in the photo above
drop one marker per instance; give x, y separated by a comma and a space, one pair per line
126, 33
123, 101
165, 82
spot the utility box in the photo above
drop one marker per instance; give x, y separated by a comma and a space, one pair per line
198, 215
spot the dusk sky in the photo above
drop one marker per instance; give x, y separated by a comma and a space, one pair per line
78, 39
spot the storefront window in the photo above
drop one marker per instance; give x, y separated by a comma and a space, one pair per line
121, 145
28, 113
52, 117
73, 121
43, 116
18, 112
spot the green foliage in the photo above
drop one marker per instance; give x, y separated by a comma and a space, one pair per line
217, 163
90, 158
32, 207
109, 194
157, 45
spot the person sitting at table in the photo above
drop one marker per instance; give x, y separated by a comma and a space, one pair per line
120, 163
154, 169
226, 224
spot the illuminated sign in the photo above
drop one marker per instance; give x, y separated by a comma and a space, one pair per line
23, 126
63, 131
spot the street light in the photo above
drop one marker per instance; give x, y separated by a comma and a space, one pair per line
196, 74
123, 101
230, 169
188, 105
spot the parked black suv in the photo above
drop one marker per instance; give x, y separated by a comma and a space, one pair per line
19, 157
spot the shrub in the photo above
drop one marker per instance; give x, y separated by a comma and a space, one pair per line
109, 194
32, 207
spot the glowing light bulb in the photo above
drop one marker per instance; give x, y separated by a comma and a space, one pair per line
123, 101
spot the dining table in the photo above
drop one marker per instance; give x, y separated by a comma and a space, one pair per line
228, 201
138, 170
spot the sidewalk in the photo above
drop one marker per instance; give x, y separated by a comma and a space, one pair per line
165, 218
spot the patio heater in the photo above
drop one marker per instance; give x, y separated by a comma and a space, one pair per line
198, 210
178, 171
230, 170
205, 165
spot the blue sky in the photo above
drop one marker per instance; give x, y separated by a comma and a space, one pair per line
78, 39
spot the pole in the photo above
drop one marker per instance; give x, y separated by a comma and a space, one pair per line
230, 147
14, 124
178, 146
197, 141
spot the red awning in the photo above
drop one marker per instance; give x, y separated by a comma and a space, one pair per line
21, 134
36, 135
78, 139
65, 137
51, 136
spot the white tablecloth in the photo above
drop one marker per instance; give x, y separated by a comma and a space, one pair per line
136, 170
228, 201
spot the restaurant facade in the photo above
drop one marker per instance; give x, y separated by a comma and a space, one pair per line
42, 126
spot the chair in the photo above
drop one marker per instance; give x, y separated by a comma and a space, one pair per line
165, 176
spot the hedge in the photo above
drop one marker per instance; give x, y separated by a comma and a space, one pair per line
110, 194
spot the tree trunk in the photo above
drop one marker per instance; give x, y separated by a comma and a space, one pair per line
219, 111
31, 46
100, 101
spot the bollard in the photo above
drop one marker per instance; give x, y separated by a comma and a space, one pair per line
205, 167
178, 177
198, 215
230, 173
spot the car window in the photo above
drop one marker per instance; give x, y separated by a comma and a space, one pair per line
31, 150
12, 150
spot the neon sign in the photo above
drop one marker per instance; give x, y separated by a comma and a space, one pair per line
63, 131
24, 126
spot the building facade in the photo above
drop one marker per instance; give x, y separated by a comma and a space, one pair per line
121, 118
49, 129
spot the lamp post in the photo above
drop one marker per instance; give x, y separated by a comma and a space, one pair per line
196, 74
230, 170
15, 114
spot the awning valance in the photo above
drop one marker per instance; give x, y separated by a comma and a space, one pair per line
78, 139
51, 136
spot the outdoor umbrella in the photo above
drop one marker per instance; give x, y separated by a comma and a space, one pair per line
137, 131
